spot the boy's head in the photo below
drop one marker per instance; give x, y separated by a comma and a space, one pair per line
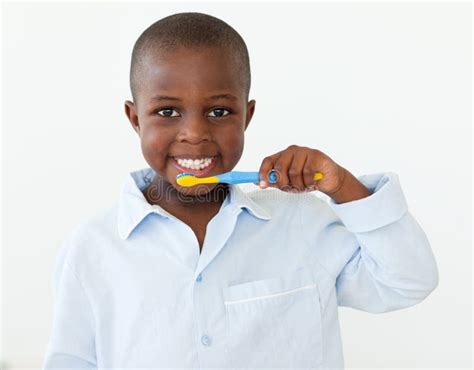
179, 65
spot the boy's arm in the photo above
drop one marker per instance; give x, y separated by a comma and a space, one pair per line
72, 340
376, 251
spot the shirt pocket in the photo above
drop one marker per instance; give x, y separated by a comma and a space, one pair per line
274, 322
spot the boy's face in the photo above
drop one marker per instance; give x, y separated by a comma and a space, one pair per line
193, 125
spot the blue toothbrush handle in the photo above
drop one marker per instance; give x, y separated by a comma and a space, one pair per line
239, 177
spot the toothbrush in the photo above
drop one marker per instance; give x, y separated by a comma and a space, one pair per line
232, 177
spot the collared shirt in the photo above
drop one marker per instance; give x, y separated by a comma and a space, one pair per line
132, 289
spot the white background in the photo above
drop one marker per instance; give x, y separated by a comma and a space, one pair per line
376, 86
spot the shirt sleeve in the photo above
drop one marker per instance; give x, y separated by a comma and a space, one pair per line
376, 251
72, 340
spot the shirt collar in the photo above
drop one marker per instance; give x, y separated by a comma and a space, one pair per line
133, 206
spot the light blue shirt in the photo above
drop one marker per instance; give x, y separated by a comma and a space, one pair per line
132, 290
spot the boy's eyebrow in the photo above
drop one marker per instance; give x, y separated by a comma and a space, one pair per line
213, 97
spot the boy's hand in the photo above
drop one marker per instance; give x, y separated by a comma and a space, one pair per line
295, 167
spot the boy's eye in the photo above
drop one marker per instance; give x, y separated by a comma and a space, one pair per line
167, 110
220, 114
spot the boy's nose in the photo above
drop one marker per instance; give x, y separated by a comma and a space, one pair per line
194, 131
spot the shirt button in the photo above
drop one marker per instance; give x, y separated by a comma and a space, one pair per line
199, 278
206, 340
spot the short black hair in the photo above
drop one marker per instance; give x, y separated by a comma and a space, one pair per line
191, 30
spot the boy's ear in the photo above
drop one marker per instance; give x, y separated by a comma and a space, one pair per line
250, 111
131, 113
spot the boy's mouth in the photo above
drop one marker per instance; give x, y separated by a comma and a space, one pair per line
196, 165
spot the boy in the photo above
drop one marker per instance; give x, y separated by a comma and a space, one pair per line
211, 276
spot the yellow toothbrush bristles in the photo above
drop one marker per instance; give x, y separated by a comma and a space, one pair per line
187, 179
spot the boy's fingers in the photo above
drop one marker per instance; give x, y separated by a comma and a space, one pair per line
295, 172
308, 174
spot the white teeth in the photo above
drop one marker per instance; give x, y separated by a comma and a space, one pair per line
195, 164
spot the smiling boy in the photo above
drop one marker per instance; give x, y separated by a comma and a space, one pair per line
211, 276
